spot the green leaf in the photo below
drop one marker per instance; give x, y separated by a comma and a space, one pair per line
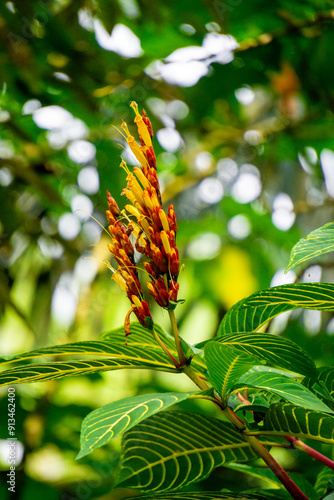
203, 495
321, 484
111, 344
268, 476
252, 313
173, 449
326, 376
109, 421
59, 369
259, 402
141, 351
286, 419
260, 473
272, 494
318, 242
268, 348
226, 365
323, 388
284, 387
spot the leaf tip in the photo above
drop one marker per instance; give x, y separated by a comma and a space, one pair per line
82, 453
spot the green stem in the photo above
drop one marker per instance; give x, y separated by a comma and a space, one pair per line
162, 345
195, 377
182, 358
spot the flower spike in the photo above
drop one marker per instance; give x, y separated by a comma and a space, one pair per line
146, 228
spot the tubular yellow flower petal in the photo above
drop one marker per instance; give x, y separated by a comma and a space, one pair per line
142, 128
145, 225
141, 177
134, 146
147, 200
133, 211
151, 289
164, 220
130, 196
136, 301
135, 197
120, 281
135, 187
124, 274
154, 199
165, 242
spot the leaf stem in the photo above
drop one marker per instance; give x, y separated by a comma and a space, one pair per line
182, 358
299, 445
162, 345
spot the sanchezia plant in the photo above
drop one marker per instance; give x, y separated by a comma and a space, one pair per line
267, 388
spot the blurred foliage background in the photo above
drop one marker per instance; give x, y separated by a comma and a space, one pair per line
243, 116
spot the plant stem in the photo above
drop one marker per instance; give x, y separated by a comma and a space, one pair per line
275, 467
195, 378
299, 445
162, 345
257, 446
182, 358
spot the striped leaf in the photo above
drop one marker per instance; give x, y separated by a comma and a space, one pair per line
207, 495
284, 387
321, 484
326, 376
323, 388
269, 349
142, 351
287, 419
318, 242
252, 313
111, 420
58, 369
111, 344
173, 449
226, 365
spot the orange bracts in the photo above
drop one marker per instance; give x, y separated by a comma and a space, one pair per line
150, 231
